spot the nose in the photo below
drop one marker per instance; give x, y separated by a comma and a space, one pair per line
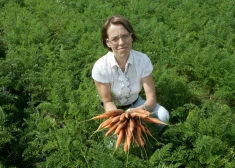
120, 40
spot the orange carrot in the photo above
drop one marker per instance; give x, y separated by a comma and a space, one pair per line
144, 129
147, 131
125, 146
139, 136
128, 136
120, 138
135, 141
139, 115
105, 123
101, 116
141, 141
109, 125
132, 124
120, 126
116, 119
112, 129
122, 117
153, 120
127, 114
138, 122
114, 112
142, 111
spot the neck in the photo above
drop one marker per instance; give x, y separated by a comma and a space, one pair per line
122, 62
121, 57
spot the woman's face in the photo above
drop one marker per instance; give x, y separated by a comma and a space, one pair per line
119, 40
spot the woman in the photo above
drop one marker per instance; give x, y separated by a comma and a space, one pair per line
120, 74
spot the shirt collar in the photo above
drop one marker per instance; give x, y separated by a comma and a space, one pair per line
114, 63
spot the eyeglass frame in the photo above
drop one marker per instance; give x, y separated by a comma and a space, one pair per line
118, 38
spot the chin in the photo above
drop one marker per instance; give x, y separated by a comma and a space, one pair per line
124, 51
126, 54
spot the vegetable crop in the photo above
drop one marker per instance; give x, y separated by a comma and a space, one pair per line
129, 126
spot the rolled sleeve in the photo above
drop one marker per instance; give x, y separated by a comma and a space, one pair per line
98, 74
147, 68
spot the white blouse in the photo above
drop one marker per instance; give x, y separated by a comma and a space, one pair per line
125, 86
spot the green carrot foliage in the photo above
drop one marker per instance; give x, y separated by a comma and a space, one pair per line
47, 95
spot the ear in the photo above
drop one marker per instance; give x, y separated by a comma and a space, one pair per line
108, 44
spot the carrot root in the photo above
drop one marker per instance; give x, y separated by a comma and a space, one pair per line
129, 126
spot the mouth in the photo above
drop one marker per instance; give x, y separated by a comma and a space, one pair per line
122, 48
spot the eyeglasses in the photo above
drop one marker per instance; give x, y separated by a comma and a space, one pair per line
124, 37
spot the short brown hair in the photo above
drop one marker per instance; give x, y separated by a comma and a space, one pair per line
116, 20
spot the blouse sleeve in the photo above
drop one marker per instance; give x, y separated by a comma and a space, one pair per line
146, 66
99, 74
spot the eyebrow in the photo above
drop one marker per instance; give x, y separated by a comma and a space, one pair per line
118, 35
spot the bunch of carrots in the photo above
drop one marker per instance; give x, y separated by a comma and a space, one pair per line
127, 125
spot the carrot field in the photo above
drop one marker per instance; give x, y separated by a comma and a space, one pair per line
48, 99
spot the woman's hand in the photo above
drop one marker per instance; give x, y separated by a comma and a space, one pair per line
136, 108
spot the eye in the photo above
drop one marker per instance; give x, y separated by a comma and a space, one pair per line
115, 39
125, 36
